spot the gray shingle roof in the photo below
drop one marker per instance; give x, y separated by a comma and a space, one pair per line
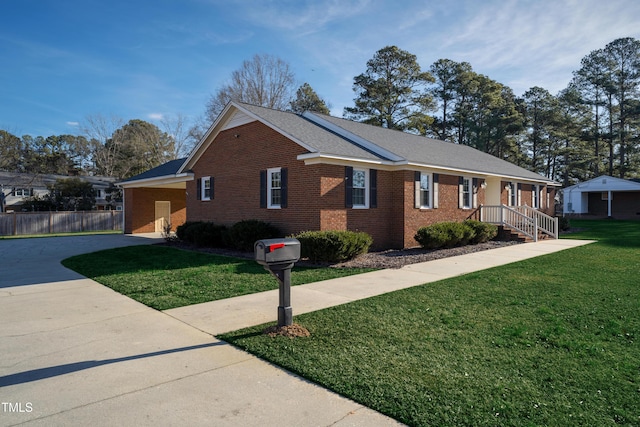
309, 134
166, 169
409, 148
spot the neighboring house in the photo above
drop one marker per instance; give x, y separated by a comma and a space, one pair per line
317, 172
16, 187
601, 197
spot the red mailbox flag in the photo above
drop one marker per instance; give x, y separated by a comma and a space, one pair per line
275, 246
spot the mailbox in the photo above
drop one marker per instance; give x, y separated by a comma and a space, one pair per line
277, 252
278, 256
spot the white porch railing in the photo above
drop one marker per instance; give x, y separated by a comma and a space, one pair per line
524, 219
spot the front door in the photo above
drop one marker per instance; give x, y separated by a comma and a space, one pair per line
163, 215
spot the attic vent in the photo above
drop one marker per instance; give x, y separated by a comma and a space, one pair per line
604, 181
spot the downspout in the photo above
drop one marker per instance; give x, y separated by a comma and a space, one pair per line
610, 194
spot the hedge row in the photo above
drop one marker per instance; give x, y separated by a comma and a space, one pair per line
240, 236
325, 246
452, 234
333, 246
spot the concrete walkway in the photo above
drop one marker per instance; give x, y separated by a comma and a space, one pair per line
73, 352
235, 313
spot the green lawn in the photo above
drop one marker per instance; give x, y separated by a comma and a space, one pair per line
553, 340
163, 277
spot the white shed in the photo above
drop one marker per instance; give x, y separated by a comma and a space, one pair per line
603, 196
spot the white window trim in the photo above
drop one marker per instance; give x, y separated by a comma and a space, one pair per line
513, 194
202, 188
535, 196
366, 189
270, 188
470, 205
430, 198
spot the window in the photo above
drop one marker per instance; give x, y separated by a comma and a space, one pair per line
24, 192
425, 191
535, 196
359, 192
361, 188
274, 188
513, 194
466, 193
205, 188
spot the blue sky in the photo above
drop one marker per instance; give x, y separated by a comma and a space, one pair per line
64, 60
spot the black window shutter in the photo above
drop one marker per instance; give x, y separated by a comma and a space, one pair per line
284, 187
417, 176
348, 187
199, 189
475, 184
211, 187
373, 188
263, 189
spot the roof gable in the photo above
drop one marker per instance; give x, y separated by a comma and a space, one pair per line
605, 183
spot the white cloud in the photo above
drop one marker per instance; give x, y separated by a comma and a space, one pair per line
304, 17
74, 124
541, 42
155, 116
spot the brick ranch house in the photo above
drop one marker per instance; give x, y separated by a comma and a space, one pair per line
316, 172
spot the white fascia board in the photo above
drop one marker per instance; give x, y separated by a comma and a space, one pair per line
157, 181
480, 173
318, 158
358, 140
277, 129
198, 149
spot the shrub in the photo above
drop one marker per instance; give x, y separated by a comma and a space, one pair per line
206, 234
444, 235
483, 231
181, 230
563, 223
333, 246
210, 235
243, 235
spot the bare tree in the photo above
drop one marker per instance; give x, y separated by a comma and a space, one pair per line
99, 131
265, 80
176, 128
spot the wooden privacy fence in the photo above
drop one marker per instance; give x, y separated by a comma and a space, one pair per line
21, 223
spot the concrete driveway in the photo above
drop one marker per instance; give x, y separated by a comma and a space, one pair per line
73, 352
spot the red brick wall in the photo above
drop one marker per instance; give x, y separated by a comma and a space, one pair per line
140, 208
447, 209
316, 193
235, 165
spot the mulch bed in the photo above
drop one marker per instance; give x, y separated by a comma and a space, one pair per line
392, 258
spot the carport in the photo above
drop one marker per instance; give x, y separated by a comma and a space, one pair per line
155, 199
604, 196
